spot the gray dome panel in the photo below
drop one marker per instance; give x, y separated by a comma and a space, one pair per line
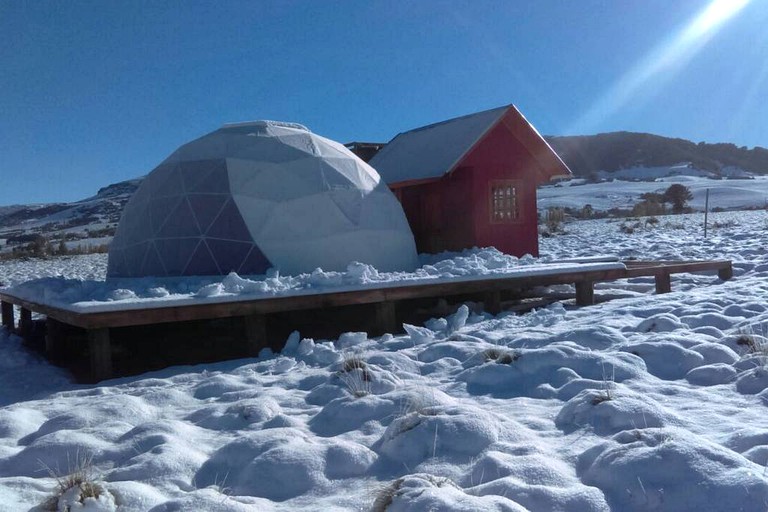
252, 196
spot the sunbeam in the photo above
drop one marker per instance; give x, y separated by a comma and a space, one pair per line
660, 63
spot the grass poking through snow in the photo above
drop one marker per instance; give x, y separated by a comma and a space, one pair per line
500, 356
606, 392
355, 375
76, 486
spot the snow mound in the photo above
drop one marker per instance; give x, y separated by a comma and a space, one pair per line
538, 372
276, 464
666, 360
422, 491
455, 431
672, 470
609, 412
752, 382
711, 374
348, 413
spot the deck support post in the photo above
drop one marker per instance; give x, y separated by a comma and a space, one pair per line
385, 317
585, 293
7, 312
100, 350
725, 273
663, 282
25, 323
54, 339
492, 302
255, 334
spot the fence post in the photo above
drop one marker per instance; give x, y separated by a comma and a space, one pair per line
706, 213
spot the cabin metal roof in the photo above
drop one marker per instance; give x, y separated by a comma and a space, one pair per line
432, 151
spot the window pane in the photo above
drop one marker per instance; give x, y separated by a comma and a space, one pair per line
504, 204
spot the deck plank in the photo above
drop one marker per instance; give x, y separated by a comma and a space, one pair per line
266, 306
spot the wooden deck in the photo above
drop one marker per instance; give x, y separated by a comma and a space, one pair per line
381, 302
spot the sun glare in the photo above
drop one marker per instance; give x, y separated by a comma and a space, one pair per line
715, 14
648, 74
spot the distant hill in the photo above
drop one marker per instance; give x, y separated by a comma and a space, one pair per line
97, 216
105, 208
586, 154
90, 222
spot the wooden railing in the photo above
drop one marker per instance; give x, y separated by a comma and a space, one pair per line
383, 300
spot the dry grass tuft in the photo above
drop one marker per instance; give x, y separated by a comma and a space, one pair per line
355, 375
500, 356
755, 343
80, 475
606, 393
386, 495
353, 362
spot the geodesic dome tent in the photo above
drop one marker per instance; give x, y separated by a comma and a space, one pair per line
256, 195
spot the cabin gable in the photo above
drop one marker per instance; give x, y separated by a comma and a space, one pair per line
471, 181
503, 199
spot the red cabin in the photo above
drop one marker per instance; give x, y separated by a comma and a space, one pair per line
471, 181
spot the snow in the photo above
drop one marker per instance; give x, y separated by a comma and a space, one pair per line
681, 171
100, 294
725, 194
644, 402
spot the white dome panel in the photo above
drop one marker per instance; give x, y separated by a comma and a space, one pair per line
256, 195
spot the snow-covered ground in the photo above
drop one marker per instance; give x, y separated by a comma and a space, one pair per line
644, 402
725, 194
651, 173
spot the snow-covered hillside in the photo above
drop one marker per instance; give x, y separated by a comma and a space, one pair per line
644, 402
89, 222
724, 194
92, 221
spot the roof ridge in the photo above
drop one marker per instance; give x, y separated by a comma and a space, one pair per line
420, 128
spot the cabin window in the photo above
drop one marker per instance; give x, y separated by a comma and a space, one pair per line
505, 201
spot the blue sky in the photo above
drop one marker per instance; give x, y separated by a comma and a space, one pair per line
95, 92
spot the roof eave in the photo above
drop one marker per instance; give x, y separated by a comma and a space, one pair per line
413, 183
549, 161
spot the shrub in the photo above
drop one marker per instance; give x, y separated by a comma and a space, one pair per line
46, 250
553, 222
62, 248
626, 227
678, 195
555, 218
725, 224
587, 212
648, 207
